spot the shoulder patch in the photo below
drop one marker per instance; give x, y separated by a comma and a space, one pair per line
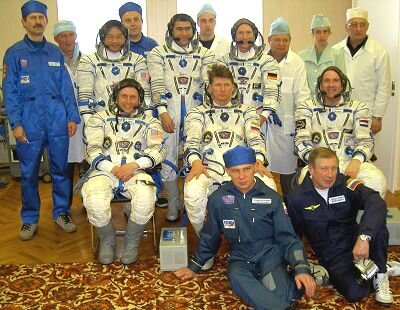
352, 183
284, 208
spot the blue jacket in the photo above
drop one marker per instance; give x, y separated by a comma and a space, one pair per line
254, 224
331, 228
38, 91
143, 46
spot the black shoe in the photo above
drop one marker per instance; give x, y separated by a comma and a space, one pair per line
161, 202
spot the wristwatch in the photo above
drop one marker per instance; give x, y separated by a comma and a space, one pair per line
364, 237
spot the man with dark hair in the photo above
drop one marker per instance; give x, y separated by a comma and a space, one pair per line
262, 242
42, 112
178, 70
324, 209
131, 16
211, 129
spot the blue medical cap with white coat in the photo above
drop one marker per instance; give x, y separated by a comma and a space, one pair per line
33, 6
62, 26
279, 26
319, 21
207, 8
129, 6
239, 155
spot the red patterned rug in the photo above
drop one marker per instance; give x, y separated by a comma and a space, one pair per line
142, 286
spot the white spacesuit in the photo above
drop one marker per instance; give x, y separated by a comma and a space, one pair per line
113, 140
211, 130
344, 129
255, 72
177, 76
98, 73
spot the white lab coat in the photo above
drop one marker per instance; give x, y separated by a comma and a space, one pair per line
219, 47
369, 73
279, 139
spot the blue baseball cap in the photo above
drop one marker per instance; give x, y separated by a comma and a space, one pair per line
239, 155
130, 6
33, 7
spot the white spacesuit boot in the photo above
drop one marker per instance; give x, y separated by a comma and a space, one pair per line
133, 233
173, 200
210, 262
107, 243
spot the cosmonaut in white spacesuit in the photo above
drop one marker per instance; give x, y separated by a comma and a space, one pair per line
123, 143
254, 70
98, 73
334, 120
218, 125
178, 70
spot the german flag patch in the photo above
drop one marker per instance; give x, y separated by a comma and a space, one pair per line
272, 76
352, 183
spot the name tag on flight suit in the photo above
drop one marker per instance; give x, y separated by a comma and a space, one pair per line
337, 199
229, 224
266, 201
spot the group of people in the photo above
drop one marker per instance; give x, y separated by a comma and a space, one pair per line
229, 110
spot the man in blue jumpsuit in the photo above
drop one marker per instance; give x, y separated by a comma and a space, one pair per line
131, 16
324, 208
262, 240
42, 112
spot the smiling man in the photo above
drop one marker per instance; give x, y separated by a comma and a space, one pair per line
324, 209
122, 142
262, 242
219, 124
334, 120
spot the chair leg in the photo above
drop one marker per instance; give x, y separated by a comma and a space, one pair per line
95, 241
154, 234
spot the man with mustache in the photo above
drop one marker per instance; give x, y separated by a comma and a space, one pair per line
42, 112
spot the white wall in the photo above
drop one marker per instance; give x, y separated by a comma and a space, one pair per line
384, 27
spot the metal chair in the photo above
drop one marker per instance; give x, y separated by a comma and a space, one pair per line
122, 199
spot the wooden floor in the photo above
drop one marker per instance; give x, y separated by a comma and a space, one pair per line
51, 244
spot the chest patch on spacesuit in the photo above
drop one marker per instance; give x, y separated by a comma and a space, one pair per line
336, 199
266, 201
229, 224
228, 199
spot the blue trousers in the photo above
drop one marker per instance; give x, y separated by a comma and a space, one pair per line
30, 155
344, 276
266, 285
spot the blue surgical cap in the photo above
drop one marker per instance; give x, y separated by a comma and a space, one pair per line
33, 7
207, 8
239, 155
279, 26
130, 6
319, 21
62, 26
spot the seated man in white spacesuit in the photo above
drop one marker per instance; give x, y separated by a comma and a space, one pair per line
254, 70
334, 120
123, 145
219, 124
98, 73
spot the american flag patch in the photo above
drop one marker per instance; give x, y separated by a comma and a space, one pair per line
228, 199
352, 183
272, 76
364, 122
155, 134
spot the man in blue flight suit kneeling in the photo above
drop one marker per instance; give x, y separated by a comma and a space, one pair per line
324, 208
262, 241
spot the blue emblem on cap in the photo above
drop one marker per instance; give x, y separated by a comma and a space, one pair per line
242, 71
332, 116
224, 117
115, 70
183, 63
126, 126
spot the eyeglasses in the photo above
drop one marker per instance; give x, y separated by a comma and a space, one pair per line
356, 25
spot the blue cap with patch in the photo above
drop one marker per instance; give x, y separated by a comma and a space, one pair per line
33, 7
239, 155
130, 6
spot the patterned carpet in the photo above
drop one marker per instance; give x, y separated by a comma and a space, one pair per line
142, 286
